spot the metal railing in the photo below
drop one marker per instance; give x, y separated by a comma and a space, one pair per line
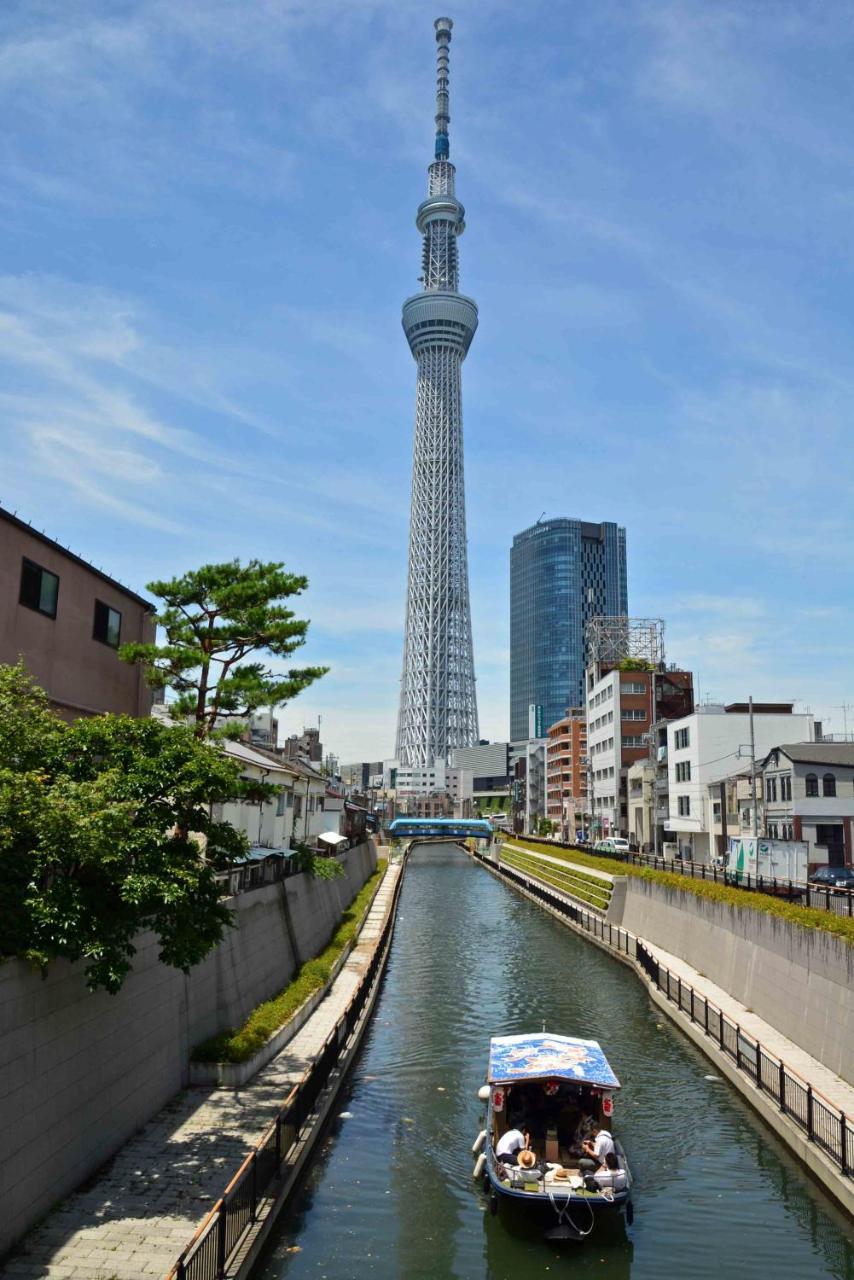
823, 1123
800, 892
224, 1229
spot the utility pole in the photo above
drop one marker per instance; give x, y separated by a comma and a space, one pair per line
753, 769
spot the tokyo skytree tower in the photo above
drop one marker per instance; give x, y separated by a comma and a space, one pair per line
438, 706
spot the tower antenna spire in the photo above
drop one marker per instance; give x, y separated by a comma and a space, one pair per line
438, 704
443, 39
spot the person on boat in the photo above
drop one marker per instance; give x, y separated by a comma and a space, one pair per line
609, 1174
595, 1150
510, 1144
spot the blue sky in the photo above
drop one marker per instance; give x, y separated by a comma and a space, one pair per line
207, 214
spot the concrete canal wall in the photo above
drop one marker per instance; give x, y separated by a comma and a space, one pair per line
81, 1071
799, 980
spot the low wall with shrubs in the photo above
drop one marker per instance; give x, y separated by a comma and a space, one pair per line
80, 1071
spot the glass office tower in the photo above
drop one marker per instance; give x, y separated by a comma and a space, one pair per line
562, 573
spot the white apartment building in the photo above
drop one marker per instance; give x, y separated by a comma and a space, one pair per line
604, 752
710, 745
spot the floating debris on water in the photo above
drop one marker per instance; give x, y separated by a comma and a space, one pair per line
345, 1115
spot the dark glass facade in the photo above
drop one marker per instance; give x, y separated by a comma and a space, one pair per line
562, 573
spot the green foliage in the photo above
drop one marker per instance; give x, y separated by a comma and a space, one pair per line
240, 1044
215, 618
635, 664
805, 917
103, 823
545, 827
315, 864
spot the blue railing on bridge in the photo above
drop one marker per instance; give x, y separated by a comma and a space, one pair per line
440, 828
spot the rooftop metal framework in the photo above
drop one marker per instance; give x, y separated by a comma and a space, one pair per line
611, 640
438, 707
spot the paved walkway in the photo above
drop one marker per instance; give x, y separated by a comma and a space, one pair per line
139, 1212
834, 1088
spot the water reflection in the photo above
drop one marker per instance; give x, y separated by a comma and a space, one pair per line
392, 1195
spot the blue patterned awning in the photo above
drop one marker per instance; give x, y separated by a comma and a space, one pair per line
549, 1057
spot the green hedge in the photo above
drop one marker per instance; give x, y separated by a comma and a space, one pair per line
241, 1043
806, 917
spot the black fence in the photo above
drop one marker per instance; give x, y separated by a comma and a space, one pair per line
224, 1229
824, 898
825, 1125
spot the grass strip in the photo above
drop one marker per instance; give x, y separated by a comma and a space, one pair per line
239, 1044
579, 886
791, 912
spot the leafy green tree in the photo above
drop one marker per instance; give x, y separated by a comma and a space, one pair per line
106, 830
214, 619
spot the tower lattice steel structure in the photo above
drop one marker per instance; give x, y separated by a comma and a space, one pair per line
438, 706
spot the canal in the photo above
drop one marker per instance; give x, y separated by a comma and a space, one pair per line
391, 1194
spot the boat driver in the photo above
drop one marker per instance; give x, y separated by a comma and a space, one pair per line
510, 1144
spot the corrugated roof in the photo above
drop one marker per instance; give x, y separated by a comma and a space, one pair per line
240, 751
839, 753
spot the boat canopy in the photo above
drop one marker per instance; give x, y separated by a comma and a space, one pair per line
539, 1057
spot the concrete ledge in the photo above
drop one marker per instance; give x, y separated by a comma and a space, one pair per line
233, 1075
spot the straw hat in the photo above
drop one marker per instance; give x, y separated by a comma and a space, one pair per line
527, 1159
561, 1174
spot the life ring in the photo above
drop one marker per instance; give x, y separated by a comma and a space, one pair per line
497, 1099
550, 1088
607, 1105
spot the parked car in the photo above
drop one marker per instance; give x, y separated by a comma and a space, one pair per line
615, 846
832, 878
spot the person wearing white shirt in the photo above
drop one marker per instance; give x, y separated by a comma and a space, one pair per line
510, 1144
596, 1150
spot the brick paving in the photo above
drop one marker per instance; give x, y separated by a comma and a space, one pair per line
134, 1217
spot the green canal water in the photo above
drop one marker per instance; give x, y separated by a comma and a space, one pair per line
391, 1193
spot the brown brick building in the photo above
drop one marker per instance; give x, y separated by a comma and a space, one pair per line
66, 619
566, 771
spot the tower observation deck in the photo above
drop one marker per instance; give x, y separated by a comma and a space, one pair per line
438, 706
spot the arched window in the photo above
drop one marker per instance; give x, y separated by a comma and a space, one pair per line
812, 784
828, 784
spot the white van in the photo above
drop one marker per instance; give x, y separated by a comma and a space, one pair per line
615, 845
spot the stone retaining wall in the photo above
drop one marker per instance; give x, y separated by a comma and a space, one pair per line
81, 1071
800, 980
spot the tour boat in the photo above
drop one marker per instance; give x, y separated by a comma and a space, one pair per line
556, 1089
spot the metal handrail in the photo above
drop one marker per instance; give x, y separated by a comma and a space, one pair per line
738, 1044
206, 1255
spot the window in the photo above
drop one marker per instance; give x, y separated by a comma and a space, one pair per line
633, 740
633, 713
812, 784
683, 771
297, 806
828, 785
772, 830
684, 806
716, 811
39, 588
108, 624
786, 787
788, 831
771, 789
633, 686
280, 802
682, 739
